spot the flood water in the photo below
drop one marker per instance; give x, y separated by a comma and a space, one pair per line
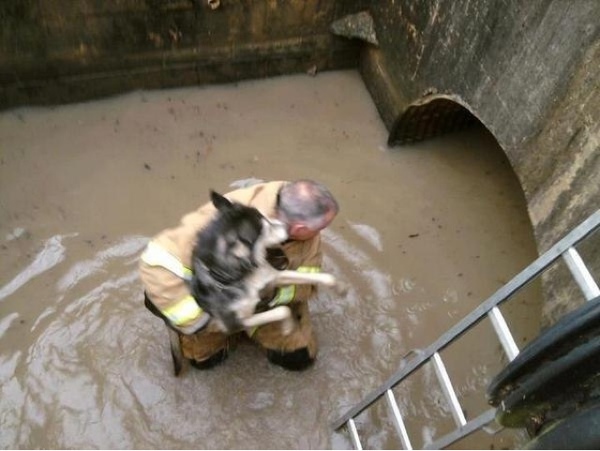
425, 233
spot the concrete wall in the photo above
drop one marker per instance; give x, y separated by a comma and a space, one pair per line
54, 51
530, 72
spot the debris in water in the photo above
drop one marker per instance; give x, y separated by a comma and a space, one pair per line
16, 233
245, 183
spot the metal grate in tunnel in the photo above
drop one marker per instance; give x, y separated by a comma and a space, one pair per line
427, 120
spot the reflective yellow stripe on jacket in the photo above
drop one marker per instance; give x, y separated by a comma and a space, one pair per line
286, 294
155, 255
311, 269
185, 310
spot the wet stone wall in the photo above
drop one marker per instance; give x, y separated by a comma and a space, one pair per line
53, 52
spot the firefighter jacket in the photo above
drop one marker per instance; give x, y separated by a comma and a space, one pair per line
167, 261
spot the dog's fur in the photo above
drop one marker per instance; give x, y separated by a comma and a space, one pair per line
231, 269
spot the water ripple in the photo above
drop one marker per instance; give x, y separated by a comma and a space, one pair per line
51, 255
126, 247
370, 234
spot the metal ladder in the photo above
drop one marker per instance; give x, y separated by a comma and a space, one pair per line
565, 249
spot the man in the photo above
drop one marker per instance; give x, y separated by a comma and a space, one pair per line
306, 207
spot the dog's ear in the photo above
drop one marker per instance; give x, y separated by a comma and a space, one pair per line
220, 202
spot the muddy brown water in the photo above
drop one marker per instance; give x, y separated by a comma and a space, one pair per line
425, 233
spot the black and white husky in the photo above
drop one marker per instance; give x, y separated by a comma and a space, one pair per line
230, 267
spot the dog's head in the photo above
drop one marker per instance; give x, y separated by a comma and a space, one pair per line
236, 240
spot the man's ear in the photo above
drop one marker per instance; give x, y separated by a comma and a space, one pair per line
220, 202
297, 229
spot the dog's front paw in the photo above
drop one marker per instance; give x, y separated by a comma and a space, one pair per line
281, 313
328, 280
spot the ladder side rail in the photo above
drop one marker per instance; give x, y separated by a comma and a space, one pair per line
461, 432
412, 365
458, 329
581, 274
397, 420
515, 284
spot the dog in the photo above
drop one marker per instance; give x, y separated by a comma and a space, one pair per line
230, 266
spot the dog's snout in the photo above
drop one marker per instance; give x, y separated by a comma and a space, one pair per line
278, 230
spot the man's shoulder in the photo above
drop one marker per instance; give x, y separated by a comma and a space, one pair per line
262, 196
256, 191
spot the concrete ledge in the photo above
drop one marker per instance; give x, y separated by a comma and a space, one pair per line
70, 80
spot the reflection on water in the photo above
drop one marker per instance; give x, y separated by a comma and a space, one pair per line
51, 254
424, 234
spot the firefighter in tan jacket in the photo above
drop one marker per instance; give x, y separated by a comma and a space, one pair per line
306, 207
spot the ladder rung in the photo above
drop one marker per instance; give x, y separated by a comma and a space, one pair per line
442, 374
581, 274
503, 332
397, 419
463, 431
354, 434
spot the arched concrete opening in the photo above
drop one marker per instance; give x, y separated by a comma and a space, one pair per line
429, 117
